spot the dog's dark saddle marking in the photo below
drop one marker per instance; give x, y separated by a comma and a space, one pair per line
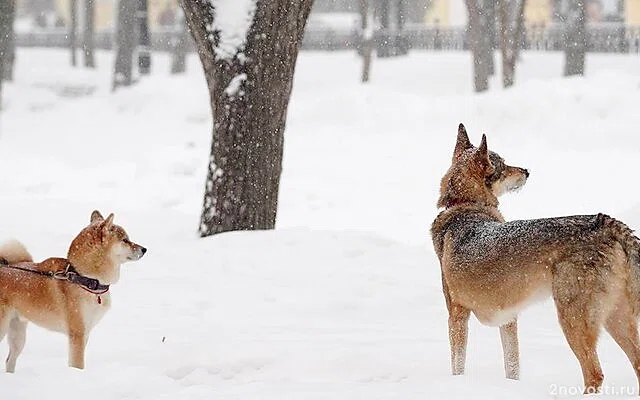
477, 235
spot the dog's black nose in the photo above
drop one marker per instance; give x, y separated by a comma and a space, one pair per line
143, 249
526, 172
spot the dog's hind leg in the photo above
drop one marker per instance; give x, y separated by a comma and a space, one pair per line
622, 325
509, 338
458, 332
17, 339
583, 338
579, 297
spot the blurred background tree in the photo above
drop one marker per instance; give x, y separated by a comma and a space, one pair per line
7, 41
479, 26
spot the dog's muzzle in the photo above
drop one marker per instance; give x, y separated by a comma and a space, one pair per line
137, 254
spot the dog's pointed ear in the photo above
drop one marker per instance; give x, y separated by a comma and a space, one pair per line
462, 143
108, 223
483, 148
96, 217
482, 154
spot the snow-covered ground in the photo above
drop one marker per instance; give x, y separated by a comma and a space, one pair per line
343, 300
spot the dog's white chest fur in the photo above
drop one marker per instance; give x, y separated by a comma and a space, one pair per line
93, 309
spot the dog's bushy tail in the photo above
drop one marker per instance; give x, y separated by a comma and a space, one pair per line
13, 252
625, 236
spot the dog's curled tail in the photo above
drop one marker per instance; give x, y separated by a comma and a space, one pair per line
13, 252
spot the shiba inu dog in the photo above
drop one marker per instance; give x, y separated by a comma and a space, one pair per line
68, 295
589, 264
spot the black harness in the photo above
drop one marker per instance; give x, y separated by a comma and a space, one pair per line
69, 274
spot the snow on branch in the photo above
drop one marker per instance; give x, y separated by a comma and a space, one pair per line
234, 86
231, 22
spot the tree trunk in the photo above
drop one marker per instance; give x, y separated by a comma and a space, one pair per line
179, 45
125, 43
73, 29
7, 14
575, 38
480, 46
402, 42
144, 50
366, 14
7, 40
383, 44
511, 28
88, 44
489, 13
249, 89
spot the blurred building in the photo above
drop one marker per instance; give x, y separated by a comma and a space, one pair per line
539, 12
454, 13
632, 12
597, 10
45, 12
414, 10
445, 13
